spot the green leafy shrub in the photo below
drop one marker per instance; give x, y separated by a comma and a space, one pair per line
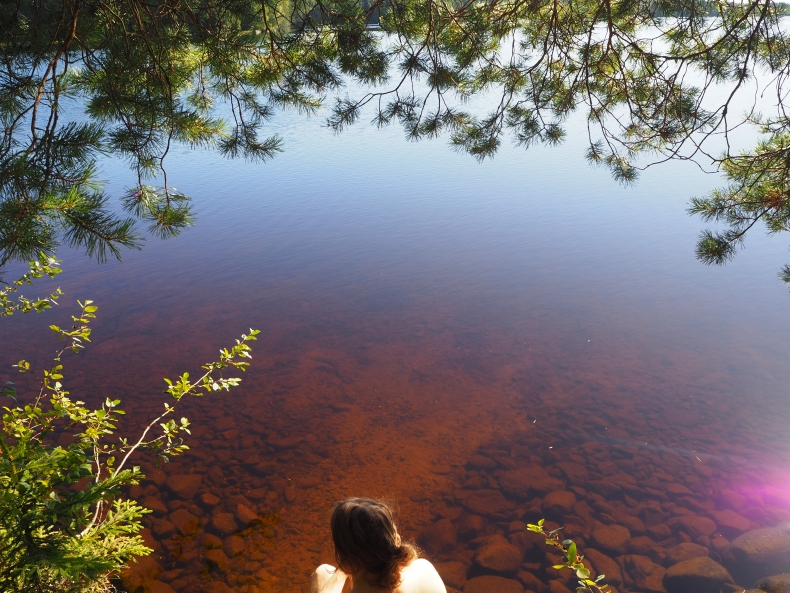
64, 525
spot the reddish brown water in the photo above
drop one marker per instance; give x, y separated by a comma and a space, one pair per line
429, 326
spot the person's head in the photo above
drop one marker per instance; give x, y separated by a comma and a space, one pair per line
367, 541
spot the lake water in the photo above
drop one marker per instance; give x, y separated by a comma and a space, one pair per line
433, 329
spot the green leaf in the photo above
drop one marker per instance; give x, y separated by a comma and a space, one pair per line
571, 552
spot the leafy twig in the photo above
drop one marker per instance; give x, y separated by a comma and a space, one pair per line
573, 560
45, 265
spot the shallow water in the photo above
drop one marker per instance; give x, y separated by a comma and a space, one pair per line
429, 324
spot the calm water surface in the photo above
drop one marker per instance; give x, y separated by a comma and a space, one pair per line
432, 329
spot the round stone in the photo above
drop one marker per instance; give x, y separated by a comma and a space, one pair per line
558, 503
499, 555
492, 584
612, 538
440, 537
759, 553
685, 551
224, 523
698, 575
452, 573
184, 486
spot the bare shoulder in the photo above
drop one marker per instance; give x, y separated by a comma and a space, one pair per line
327, 579
421, 577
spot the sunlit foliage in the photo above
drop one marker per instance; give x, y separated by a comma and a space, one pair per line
65, 526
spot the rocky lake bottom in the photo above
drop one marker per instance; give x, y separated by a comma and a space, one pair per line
660, 494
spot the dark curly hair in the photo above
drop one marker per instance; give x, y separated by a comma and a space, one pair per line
366, 539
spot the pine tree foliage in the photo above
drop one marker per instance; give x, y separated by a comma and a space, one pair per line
645, 73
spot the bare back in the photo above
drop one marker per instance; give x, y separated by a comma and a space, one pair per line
418, 577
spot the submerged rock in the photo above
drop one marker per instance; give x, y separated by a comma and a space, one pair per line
558, 587
184, 486
644, 546
693, 525
487, 502
184, 521
646, 574
481, 462
633, 524
470, 525
440, 537
149, 540
731, 523
685, 551
163, 528
529, 481
217, 587
558, 503
603, 564
139, 573
209, 500
233, 546
452, 573
573, 471
611, 538
499, 555
157, 476
286, 443
731, 499
697, 575
605, 488
245, 515
217, 558
759, 553
778, 583
155, 504
525, 540
492, 584
225, 523
531, 582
